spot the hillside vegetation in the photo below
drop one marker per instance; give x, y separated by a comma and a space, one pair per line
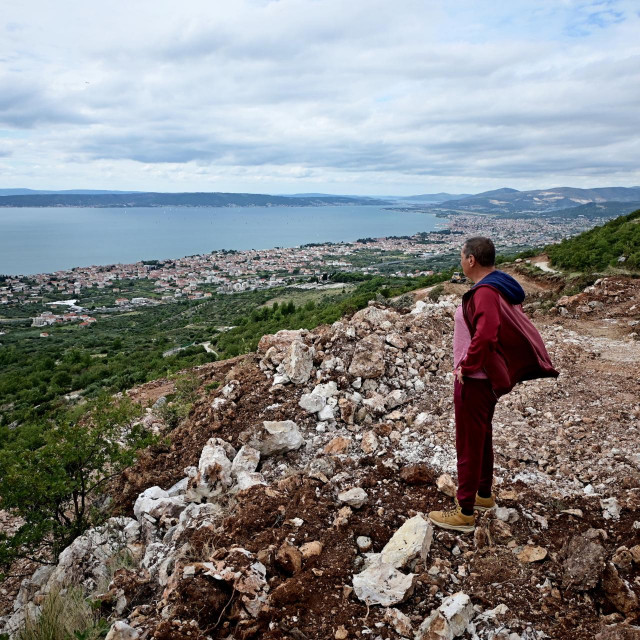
616, 243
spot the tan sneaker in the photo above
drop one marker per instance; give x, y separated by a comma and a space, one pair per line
484, 504
453, 519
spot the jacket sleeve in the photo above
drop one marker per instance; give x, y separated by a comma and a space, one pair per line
486, 323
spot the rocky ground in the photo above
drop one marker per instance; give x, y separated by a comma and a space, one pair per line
290, 503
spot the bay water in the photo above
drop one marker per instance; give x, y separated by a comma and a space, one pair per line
43, 240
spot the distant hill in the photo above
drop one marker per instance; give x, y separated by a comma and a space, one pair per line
28, 192
616, 243
509, 201
599, 210
143, 199
433, 198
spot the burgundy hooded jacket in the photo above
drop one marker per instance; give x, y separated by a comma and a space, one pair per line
504, 342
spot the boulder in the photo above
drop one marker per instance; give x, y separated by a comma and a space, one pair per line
368, 358
410, 542
383, 584
158, 504
278, 436
298, 362
213, 476
246, 460
369, 443
281, 341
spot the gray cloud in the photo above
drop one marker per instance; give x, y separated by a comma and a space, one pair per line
274, 93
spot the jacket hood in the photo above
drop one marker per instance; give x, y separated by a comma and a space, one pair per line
504, 283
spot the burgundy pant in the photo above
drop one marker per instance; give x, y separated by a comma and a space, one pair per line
474, 402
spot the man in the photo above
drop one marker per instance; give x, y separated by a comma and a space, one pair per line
495, 346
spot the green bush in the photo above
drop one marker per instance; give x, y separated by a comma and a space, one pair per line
52, 473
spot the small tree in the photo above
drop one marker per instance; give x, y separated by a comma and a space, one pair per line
51, 475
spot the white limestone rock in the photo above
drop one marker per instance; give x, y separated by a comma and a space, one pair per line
278, 436
326, 390
312, 402
353, 497
410, 542
122, 631
213, 476
383, 584
449, 620
298, 362
158, 504
246, 460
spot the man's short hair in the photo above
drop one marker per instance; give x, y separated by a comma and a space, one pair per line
482, 249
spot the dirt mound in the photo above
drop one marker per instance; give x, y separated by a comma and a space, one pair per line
365, 404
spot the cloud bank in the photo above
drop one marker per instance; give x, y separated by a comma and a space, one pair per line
301, 95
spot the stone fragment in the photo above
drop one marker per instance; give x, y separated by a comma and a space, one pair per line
446, 484
573, 512
622, 558
584, 562
281, 341
353, 497
531, 553
312, 402
122, 631
449, 620
617, 591
399, 622
158, 504
369, 443
416, 474
339, 444
618, 632
326, 413
298, 362
311, 549
395, 398
278, 436
635, 553
246, 460
341, 633
347, 410
289, 558
326, 390
375, 403
213, 476
368, 358
610, 508
410, 542
396, 340
507, 514
344, 513
383, 584
364, 543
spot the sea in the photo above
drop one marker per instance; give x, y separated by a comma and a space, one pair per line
43, 240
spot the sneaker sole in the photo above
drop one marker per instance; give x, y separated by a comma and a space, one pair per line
454, 527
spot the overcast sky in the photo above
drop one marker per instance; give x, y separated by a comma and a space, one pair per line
339, 96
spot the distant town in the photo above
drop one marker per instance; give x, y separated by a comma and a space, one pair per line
227, 272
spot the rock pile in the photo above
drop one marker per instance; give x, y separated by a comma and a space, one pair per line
291, 503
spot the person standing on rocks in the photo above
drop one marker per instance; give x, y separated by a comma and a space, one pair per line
495, 346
